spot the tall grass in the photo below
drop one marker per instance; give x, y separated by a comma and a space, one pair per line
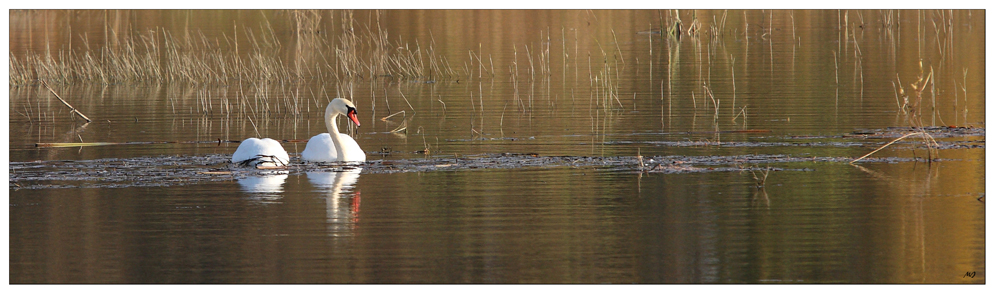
161, 56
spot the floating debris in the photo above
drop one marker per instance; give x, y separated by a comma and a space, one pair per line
186, 170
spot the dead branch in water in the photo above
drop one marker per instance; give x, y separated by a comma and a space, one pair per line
392, 115
886, 145
71, 108
761, 181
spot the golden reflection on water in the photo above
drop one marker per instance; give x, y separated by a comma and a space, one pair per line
554, 82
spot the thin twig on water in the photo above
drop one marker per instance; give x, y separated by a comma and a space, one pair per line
71, 108
886, 145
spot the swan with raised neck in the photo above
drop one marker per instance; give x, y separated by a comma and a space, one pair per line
335, 146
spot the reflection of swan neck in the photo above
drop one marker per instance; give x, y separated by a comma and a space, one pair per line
332, 123
342, 207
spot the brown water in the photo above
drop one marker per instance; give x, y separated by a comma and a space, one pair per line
804, 85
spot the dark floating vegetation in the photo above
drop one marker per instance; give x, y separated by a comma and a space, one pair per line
185, 170
869, 138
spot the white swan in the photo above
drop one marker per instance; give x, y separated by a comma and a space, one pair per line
333, 146
264, 152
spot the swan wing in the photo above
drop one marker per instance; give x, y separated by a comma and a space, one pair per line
352, 150
319, 148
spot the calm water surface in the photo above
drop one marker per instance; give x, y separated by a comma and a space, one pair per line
552, 83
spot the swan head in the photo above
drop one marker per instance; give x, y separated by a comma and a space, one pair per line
342, 106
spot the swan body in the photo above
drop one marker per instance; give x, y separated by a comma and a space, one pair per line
334, 146
327, 152
257, 152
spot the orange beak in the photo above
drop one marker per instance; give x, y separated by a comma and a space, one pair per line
352, 116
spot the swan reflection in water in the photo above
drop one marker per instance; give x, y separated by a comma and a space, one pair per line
342, 203
266, 188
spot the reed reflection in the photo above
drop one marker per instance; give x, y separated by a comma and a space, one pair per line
342, 202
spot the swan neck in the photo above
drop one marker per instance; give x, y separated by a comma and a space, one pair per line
332, 123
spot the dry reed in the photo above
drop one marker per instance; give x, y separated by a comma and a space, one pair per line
160, 56
72, 109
